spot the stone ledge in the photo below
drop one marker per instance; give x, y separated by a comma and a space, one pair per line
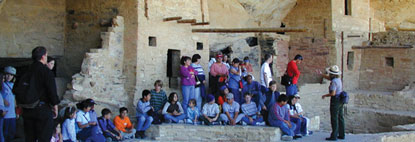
185, 132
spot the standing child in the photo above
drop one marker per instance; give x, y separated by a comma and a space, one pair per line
9, 102
68, 126
231, 111
173, 111
143, 119
210, 111
279, 117
122, 122
110, 132
192, 112
251, 112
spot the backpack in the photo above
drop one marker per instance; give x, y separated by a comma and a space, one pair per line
286, 80
344, 97
25, 91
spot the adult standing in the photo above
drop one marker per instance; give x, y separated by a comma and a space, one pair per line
38, 121
219, 73
9, 128
188, 81
292, 70
266, 75
200, 90
336, 107
226, 61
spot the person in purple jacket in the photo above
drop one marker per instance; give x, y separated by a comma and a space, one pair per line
279, 116
188, 81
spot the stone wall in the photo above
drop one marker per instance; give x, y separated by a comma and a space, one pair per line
167, 132
85, 20
316, 45
27, 24
376, 74
101, 77
152, 60
394, 38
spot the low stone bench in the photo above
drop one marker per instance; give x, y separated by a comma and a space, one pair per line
187, 132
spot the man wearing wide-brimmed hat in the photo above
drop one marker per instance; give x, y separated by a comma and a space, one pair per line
336, 107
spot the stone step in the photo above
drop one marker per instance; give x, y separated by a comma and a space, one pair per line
185, 132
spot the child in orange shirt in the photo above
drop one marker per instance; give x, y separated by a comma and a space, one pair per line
123, 123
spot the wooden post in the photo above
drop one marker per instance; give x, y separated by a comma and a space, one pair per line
203, 13
249, 30
146, 9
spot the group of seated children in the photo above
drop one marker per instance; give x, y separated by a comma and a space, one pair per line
84, 125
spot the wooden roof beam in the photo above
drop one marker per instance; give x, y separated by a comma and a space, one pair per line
171, 19
191, 21
200, 24
248, 30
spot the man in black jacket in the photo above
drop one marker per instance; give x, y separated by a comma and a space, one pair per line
38, 121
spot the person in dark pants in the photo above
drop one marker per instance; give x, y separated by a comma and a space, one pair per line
336, 107
38, 121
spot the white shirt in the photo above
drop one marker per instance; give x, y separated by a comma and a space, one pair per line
82, 117
210, 109
265, 69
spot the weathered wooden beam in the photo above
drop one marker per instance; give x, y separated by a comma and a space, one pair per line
406, 29
249, 30
200, 24
171, 18
382, 47
186, 21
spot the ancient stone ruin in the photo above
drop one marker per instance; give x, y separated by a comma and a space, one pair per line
111, 50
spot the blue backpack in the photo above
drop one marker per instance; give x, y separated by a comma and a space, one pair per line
344, 97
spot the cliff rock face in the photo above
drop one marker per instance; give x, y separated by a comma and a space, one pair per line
248, 13
395, 13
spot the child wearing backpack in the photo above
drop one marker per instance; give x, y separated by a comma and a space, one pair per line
68, 126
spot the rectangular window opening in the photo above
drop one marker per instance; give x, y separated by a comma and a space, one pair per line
152, 41
347, 7
350, 60
389, 61
199, 46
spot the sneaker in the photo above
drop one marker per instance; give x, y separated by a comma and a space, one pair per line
286, 138
260, 123
181, 122
340, 138
297, 136
243, 123
143, 135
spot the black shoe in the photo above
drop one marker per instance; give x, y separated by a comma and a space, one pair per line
143, 135
341, 138
297, 137
137, 135
331, 139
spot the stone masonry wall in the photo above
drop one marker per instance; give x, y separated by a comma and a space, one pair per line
394, 38
152, 60
316, 45
27, 24
101, 77
375, 74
